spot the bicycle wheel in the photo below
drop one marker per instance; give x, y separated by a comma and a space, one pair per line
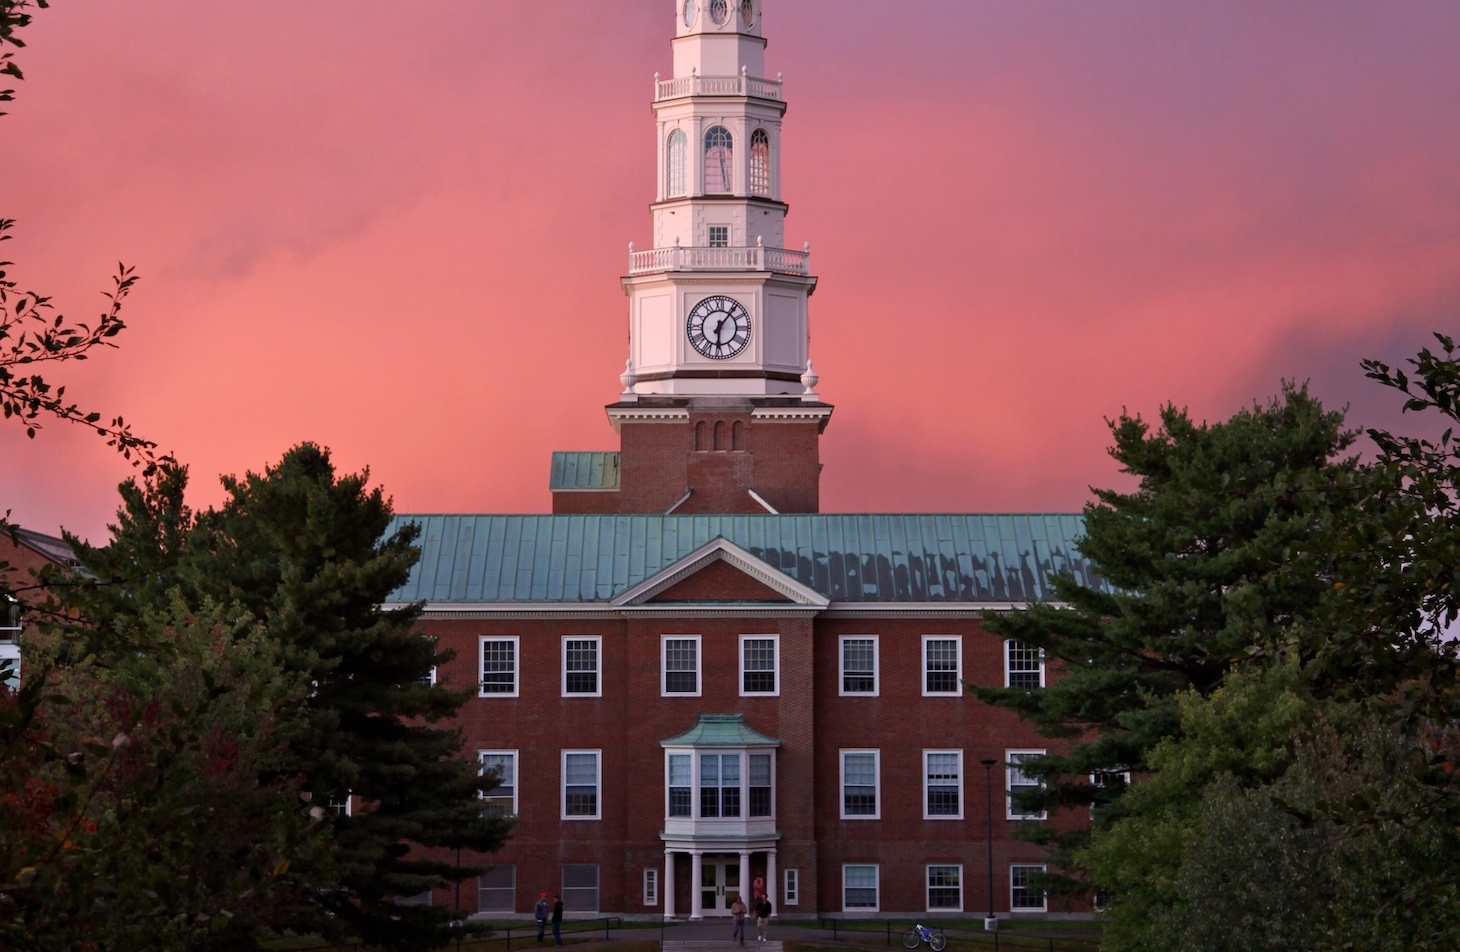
910, 939
937, 940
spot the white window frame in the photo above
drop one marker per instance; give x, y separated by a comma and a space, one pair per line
928, 887
597, 641
842, 666
597, 785
710, 232
1011, 758
1044, 896
876, 887
664, 641
1097, 779
340, 807
676, 164
791, 886
1010, 647
927, 784
775, 641
482, 642
957, 666
876, 753
481, 768
651, 886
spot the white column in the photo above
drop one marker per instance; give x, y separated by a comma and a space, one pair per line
696, 885
667, 889
744, 873
772, 887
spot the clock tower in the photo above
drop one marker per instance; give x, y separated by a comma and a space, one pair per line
718, 411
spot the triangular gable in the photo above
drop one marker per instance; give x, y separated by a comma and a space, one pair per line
721, 571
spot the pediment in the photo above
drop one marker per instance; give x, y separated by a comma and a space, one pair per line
720, 572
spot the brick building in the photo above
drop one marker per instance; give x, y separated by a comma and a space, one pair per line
687, 676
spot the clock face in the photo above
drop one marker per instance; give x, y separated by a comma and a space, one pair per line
747, 12
718, 327
689, 12
719, 11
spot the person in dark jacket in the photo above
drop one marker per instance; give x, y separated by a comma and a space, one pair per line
557, 919
540, 913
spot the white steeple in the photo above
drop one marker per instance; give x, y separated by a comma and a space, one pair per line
718, 305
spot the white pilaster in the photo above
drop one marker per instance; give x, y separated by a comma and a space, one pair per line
667, 889
744, 873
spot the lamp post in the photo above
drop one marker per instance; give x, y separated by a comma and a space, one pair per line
990, 922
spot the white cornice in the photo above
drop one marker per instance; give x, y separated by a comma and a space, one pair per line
791, 413
649, 414
721, 550
469, 611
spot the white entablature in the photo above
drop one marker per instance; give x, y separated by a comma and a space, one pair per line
718, 302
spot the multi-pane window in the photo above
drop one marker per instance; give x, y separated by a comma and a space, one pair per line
859, 665
580, 887
719, 785
945, 888
859, 784
682, 665
339, 804
1023, 666
1023, 895
581, 656
651, 886
675, 164
757, 665
943, 784
791, 888
502, 765
942, 658
719, 160
859, 888
760, 785
719, 236
1021, 784
580, 785
499, 667
497, 889
681, 791
760, 163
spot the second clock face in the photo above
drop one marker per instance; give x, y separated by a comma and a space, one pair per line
718, 327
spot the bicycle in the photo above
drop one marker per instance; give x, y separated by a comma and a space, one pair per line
921, 933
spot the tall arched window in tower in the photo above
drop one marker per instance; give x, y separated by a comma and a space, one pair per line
719, 160
676, 149
760, 163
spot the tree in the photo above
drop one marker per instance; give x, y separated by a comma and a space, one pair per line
1223, 545
305, 554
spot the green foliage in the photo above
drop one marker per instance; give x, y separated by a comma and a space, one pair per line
304, 555
134, 814
1224, 543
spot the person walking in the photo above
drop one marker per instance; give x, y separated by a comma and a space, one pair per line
557, 919
762, 916
737, 935
540, 913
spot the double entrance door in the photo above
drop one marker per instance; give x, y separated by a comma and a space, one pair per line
719, 885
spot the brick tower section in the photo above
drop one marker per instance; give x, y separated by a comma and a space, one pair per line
713, 455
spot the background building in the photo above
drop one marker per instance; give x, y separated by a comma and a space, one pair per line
687, 676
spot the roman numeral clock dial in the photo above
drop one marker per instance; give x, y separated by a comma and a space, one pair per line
718, 327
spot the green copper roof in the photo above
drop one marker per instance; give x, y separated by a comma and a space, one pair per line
578, 559
593, 471
720, 730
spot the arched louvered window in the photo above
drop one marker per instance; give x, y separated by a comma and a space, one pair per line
675, 164
760, 163
719, 161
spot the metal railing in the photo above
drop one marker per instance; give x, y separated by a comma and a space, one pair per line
1026, 939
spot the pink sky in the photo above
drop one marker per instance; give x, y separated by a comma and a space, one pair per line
397, 230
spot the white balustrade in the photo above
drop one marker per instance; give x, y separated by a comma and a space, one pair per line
718, 86
687, 258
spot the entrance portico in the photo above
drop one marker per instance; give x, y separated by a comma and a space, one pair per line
717, 876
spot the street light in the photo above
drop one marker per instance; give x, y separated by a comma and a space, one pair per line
989, 921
